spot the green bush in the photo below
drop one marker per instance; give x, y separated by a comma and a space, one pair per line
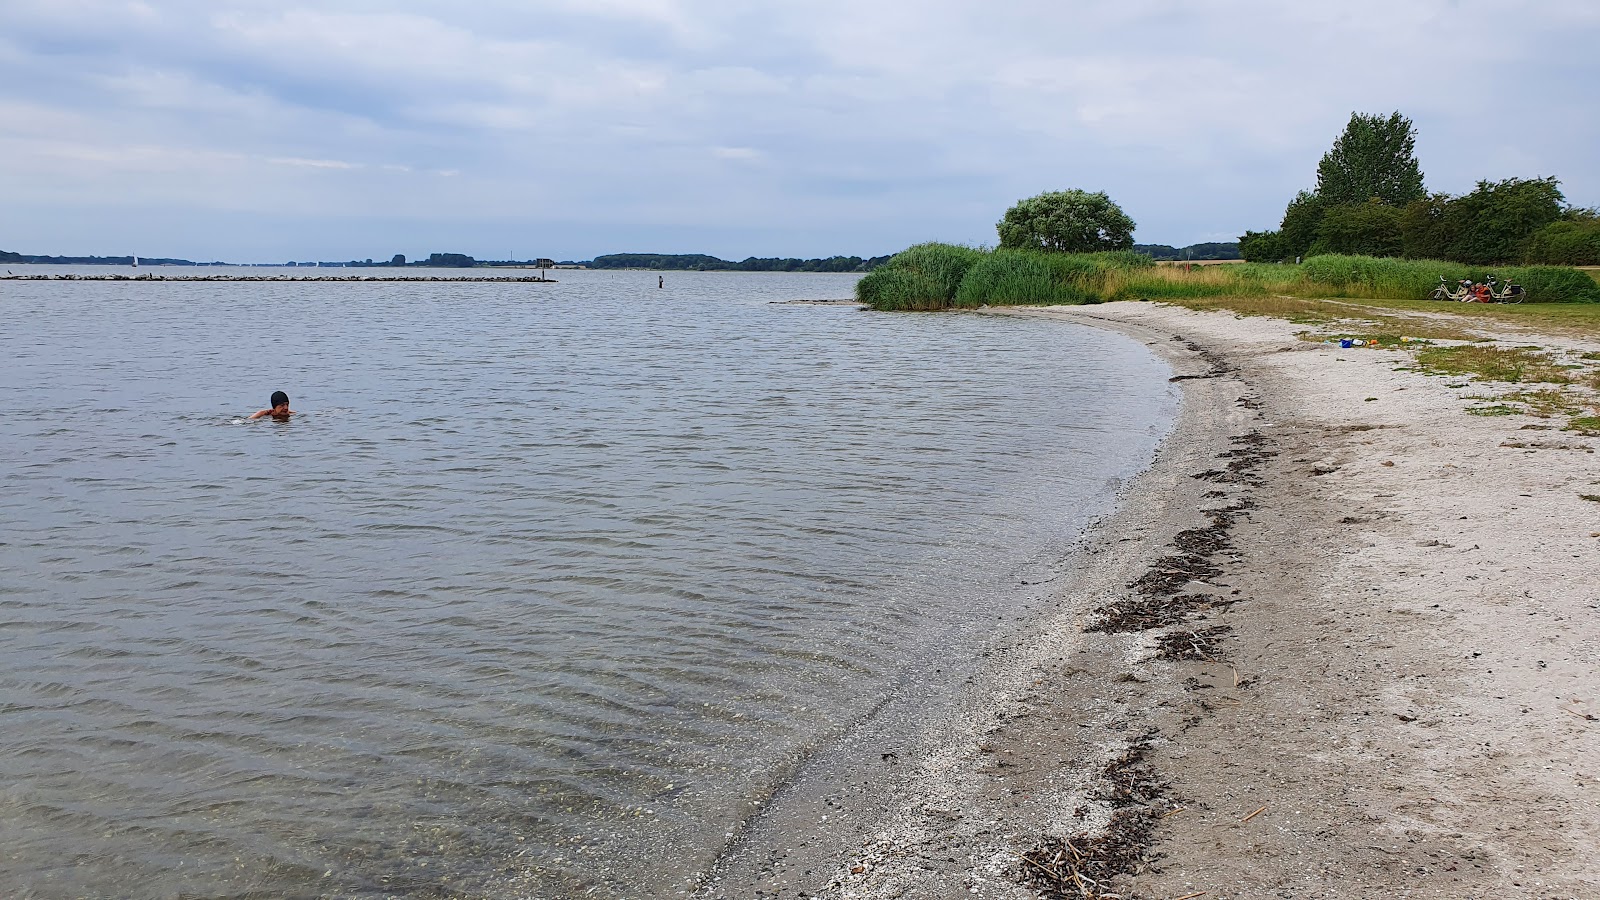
1573, 242
1366, 229
1553, 284
922, 277
1262, 246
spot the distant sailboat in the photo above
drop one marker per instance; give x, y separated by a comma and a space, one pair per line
136, 262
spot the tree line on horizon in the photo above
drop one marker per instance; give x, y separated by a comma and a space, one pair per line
1370, 200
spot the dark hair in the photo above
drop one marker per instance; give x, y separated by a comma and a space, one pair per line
279, 398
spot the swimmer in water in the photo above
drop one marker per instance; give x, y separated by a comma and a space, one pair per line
280, 407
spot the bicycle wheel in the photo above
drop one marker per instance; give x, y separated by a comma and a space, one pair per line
1438, 294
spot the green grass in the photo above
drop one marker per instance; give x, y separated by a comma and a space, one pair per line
936, 276
1487, 363
1588, 426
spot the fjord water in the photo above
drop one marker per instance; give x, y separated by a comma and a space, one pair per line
544, 590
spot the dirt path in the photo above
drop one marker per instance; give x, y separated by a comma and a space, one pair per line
1342, 640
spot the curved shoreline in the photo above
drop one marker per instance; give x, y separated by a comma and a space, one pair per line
1385, 684
831, 819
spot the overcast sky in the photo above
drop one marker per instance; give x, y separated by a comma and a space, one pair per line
267, 131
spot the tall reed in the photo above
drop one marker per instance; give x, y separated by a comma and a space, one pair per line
922, 277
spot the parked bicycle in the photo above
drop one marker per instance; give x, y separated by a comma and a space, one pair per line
1509, 292
1461, 293
1492, 290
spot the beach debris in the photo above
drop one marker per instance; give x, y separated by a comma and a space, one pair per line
1082, 866
1253, 815
1191, 645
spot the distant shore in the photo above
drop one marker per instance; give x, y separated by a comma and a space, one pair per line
342, 278
1339, 641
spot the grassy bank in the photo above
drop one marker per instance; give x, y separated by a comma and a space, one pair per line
947, 276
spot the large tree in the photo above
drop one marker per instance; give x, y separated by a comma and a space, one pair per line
1375, 158
1067, 222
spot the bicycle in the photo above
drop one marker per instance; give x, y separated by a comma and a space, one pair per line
1509, 292
1443, 291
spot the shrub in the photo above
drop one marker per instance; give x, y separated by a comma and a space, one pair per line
1366, 229
922, 277
1262, 246
1574, 242
1492, 223
1553, 284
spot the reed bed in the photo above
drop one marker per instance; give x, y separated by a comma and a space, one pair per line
943, 276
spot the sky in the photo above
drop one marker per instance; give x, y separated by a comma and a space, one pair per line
346, 129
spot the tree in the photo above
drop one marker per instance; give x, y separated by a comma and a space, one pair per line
1300, 220
1565, 243
1494, 221
1066, 222
1369, 229
1427, 231
1374, 158
1261, 246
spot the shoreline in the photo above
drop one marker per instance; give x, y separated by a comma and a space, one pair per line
1336, 582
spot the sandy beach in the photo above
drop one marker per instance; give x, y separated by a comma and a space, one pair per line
1340, 640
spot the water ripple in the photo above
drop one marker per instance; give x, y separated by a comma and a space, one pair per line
547, 585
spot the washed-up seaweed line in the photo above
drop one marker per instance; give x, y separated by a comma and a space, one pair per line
1082, 866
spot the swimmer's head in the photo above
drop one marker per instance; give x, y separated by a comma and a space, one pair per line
279, 398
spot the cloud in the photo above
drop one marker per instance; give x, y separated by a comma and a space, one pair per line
846, 127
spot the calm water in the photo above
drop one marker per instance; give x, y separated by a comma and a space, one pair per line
545, 586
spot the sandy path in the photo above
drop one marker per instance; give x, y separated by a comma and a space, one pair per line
1395, 624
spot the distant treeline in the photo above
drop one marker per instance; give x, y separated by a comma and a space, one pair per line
8, 257
698, 262
1193, 251
668, 261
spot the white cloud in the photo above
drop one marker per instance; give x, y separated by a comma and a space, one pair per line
861, 124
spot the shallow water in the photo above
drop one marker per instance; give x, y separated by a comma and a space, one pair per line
543, 588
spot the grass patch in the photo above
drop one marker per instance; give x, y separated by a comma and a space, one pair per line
1545, 404
1588, 426
1499, 409
1593, 497
1488, 363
